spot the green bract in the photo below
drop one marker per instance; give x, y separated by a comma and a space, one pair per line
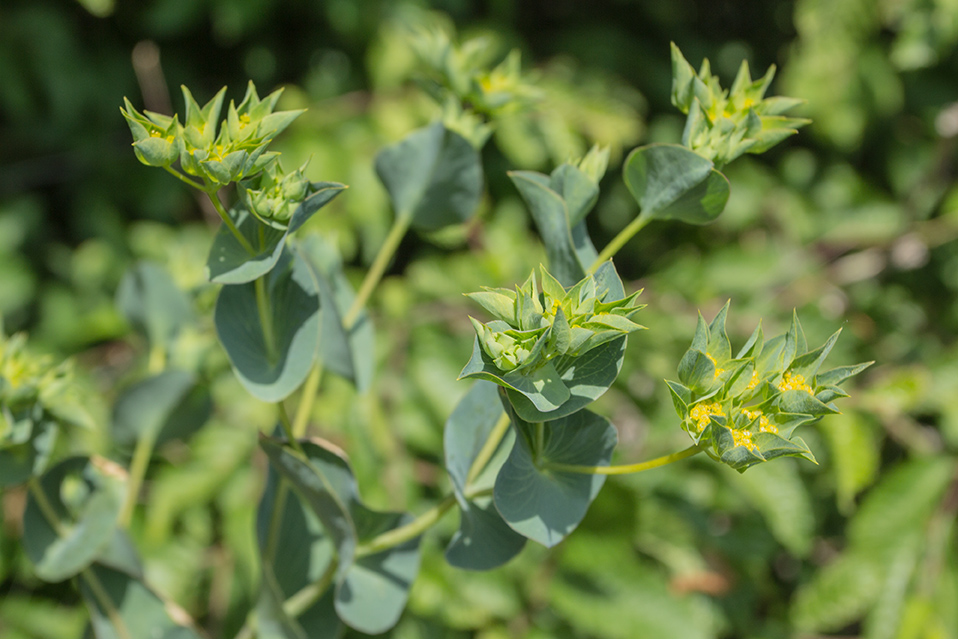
743, 410
724, 124
217, 154
273, 196
536, 338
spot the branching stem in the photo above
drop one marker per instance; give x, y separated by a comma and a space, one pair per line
627, 469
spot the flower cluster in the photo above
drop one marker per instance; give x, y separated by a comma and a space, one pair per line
723, 125
220, 154
743, 410
532, 328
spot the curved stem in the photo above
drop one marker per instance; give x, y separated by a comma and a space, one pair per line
302, 600
183, 178
619, 241
626, 469
489, 448
288, 429
306, 400
413, 529
228, 221
377, 269
138, 467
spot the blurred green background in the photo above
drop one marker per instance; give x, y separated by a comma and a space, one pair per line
852, 222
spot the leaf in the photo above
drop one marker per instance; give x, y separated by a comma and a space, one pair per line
349, 353
271, 371
168, 405
484, 541
433, 176
295, 551
371, 590
544, 504
551, 216
838, 594
230, 263
141, 611
542, 388
84, 527
854, 449
20, 462
152, 303
671, 182
587, 377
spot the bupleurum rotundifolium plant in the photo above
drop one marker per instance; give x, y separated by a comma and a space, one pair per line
525, 454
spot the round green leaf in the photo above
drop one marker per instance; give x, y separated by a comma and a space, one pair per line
85, 524
433, 175
484, 541
271, 371
230, 263
152, 303
170, 405
23, 460
545, 504
670, 182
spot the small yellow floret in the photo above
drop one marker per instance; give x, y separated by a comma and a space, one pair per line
793, 382
743, 438
718, 371
701, 413
244, 120
752, 383
764, 426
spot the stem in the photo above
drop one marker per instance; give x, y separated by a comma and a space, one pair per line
377, 268
265, 318
619, 241
413, 529
138, 467
627, 469
288, 429
103, 598
489, 448
540, 439
183, 178
302, 600
306, 400
46, 508
228, 221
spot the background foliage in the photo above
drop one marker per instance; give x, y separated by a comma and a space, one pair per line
852, 223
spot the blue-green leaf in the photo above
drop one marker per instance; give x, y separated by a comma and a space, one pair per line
168, 406
484, 541
272, 370
85, 495
152, 303
349, 353
230, 263
671, 182
433, 176
543, 503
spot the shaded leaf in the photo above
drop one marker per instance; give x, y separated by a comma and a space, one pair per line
671, 182
545, 504
152, 303
271, 371
433, 176
230, 263
169, 405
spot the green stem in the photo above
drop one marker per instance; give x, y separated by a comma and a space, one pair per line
489, 448
413, 529
377, 268
103, 598
306, 400
46, 508
265, 318
183, 178
627, 469
138, 467
302, 600
228, 221
288, 429
619, 241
